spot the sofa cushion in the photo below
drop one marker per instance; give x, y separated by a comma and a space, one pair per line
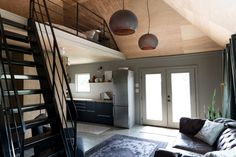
222, 153
192, 144
224, 120
190, 126
227, 139
210, 132
166, 153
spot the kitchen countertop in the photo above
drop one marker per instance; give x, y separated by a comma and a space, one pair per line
92, 100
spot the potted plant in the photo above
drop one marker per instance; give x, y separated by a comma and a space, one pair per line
212, 113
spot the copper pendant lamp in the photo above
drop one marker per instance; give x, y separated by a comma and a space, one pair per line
148, 41
123, 22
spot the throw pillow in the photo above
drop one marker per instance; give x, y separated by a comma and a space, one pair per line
222, 153
209, 132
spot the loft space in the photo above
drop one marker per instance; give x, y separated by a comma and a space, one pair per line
182, 26
179, 31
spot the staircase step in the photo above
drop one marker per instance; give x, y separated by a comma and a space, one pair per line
25, 92
28, 108
13, 23
19, 49
16, 36
39, 140
31, 123
36, 122
22, 77
20, 63
54, 153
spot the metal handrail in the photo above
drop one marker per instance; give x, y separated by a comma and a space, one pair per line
53, 65
70, 15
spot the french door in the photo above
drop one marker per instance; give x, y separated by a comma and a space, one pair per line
167, 95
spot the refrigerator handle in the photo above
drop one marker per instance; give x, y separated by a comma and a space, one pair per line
114, 100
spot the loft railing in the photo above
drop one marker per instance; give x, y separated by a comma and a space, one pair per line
39, 13
76, 19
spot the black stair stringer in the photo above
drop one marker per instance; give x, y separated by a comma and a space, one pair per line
45, 84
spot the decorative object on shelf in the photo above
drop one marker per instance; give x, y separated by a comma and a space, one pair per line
108, 76
212, 114
100, 72
148, 41
123, 22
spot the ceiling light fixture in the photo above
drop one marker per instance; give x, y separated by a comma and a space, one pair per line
148, 41
123, 22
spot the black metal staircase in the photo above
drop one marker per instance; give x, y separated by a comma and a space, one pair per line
18, 42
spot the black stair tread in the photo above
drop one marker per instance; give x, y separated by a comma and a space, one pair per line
20, 63
40, 139
28, 108
36, 122
54, 153
22, 77
19, 49
16, 36
13, 23
32, 123
25, 92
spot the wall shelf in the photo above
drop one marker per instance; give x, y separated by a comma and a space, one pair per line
99, 82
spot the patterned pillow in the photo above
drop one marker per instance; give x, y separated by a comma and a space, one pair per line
209, 132
222, 153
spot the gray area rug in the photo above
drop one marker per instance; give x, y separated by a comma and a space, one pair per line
125, 146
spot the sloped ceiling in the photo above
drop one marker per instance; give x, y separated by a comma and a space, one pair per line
175, 33
216, 18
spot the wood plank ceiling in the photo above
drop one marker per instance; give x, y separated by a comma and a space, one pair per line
175, 33
216, 18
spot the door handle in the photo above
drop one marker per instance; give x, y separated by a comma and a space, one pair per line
168, 98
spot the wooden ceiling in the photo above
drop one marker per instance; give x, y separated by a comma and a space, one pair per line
175, 33
216, 18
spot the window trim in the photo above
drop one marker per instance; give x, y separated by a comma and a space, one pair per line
76, 83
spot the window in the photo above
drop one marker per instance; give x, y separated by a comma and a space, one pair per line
82, 82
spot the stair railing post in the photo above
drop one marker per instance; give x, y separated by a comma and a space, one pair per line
64, 74
77, 18
54, 67
31, 11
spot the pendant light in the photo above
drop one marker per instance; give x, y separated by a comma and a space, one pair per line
148, 41
123, 22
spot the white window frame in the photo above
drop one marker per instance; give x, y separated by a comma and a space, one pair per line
79, 90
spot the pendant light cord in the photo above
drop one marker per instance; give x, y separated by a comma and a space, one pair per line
123, 4
148, 17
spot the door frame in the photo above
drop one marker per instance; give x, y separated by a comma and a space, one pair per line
164, 96
142, 91
191, 71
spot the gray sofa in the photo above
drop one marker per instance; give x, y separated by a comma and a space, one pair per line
187, 142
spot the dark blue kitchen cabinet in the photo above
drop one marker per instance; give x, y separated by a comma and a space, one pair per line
104, 113
92, 111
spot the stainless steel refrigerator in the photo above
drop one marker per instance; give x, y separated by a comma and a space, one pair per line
123, 98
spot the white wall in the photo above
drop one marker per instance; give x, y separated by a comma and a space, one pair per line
95, 90
209, 74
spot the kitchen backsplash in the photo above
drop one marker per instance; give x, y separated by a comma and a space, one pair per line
95, 90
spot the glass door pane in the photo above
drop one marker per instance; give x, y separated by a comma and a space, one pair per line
181, 96
153, 94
